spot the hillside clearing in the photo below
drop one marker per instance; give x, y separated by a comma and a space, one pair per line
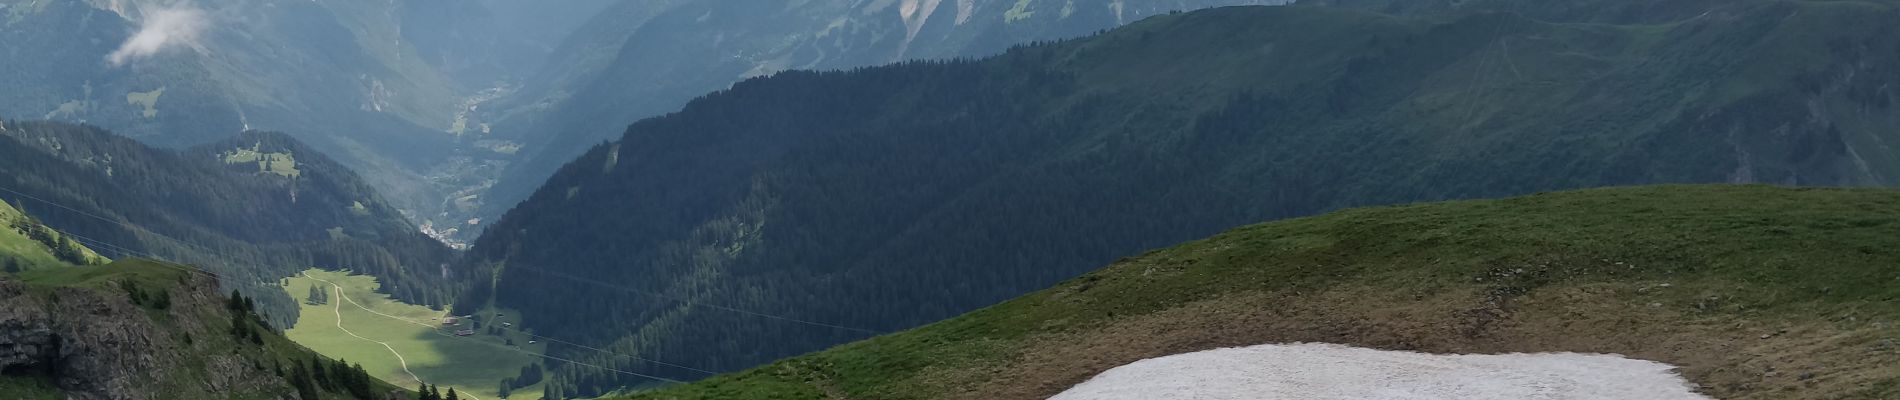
375, 329
146, 101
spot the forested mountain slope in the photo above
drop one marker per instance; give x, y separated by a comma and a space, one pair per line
645, 58
436, 102
1755, 292
253, 208
888, 197
199, 69
379, 85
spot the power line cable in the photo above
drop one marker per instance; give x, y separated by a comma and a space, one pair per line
353, 302
127, 225
526, 333
553, 273
693, 303
604, 351
439, 332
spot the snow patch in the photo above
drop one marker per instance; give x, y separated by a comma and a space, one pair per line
1334, 372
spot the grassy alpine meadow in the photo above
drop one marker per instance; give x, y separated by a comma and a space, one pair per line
473, 365
1756, 292
20, 250
17, 244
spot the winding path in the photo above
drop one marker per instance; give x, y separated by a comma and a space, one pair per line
339, 325
392, 350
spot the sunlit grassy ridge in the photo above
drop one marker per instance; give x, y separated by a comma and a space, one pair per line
472, 364
17, 242
1725, 281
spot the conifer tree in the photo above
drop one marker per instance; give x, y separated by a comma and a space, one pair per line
317, 372
300, 379
69, 252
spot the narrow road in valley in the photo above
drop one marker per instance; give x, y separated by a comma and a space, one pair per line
392, 350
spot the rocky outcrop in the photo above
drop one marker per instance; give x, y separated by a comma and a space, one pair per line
98, 343
26, 342
93, 346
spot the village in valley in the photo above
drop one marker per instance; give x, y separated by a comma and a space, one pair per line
471, 324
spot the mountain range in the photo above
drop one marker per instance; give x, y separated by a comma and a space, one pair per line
877, 199
643, 59
911, 198
456, 110
340, 75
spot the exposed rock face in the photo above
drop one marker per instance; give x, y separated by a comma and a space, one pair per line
25, 339
23, 344
94, 347
98, 344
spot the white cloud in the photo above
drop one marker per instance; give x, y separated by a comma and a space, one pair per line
160, 30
